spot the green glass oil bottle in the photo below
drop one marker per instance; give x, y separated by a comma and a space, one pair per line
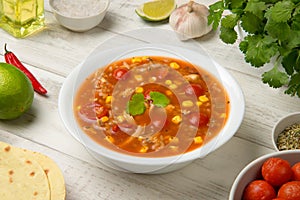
21, 18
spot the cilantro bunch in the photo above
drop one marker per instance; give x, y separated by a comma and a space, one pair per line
273, 31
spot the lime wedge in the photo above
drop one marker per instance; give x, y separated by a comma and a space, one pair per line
156, 10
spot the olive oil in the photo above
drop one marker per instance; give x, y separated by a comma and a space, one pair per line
21, 18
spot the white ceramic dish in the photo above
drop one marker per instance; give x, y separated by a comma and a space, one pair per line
282, 123
79, 23
252, 171
149, 165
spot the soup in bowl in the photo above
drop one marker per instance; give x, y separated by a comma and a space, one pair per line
153, 111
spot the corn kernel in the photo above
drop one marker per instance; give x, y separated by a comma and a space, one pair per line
198, 140
104, 119
136, 59
139, 90
108, 99
168, 82
187, 103
120, 118
176, 119
78, 107
152, 79
109, 139
144, 58
168, 93
138, 77
199, 103
144, 149
173, 148
174, 140
174, 65
173, 86
223, 115
203, 98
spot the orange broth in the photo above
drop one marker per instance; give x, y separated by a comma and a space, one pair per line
191, 109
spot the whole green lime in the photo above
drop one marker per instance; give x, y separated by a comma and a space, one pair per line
16, 92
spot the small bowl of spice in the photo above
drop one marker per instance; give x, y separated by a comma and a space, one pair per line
78, 15
286, 132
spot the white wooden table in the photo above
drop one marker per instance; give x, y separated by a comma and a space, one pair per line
53, 53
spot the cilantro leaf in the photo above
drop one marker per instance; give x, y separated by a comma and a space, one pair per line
256, 7
260, 49
136, 106
235, 4
228, 35
281, 11
215, 14
294, 85
251, 23
159, 99
291, 62
229, 21
280, 30
275, 78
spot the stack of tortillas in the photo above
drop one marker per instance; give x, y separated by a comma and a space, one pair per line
28, 175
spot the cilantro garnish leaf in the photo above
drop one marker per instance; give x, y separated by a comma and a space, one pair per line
159, 99
275, 78
136, 106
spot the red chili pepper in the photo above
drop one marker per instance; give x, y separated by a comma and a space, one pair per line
12, 59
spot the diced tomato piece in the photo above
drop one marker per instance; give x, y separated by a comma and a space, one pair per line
194, 89
120, 73
198, 119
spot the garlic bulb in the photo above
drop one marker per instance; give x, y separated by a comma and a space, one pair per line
190, 20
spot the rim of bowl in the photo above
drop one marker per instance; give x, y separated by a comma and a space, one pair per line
107, 3
181, 158
262, 158
278, 123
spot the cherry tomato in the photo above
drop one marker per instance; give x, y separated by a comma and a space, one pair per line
198, 119
92, 111
296, 171
120, 73
115, 128
277, 171
278, 198
290, 191
259, 189
194, 89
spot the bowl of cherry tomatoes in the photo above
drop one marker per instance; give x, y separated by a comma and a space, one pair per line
274, 176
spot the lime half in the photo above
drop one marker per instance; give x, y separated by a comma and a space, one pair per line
156, 10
